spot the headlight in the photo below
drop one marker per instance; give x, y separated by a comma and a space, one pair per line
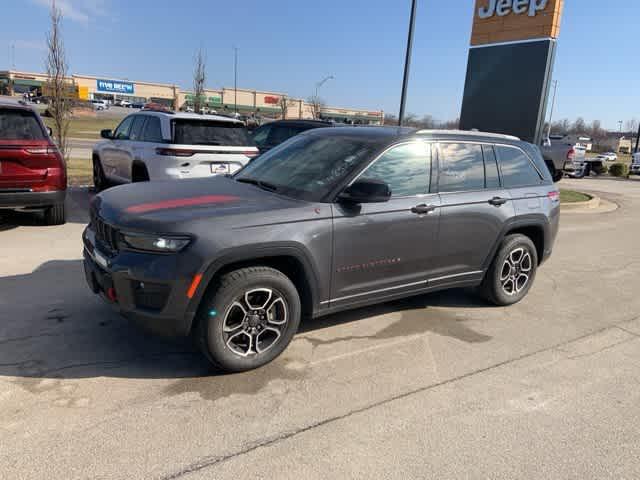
155, 243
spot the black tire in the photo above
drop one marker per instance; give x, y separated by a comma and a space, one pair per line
216, 307
495, 288
139, 173
55, 215
556, 175
100, 181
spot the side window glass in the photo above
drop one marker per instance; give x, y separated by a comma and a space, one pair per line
406, 168
152, 130
516, 167
461, 167
136, 128
492, 179
261, 134
122, 132
279, 135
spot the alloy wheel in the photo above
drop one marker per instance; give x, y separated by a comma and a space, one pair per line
516, 271
255, 321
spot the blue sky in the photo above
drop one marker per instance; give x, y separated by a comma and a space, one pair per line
287, 46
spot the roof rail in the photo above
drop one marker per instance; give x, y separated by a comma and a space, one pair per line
475, 133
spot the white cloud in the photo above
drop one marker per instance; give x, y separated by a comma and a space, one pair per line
81, 11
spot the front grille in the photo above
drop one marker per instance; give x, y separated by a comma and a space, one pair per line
106, 235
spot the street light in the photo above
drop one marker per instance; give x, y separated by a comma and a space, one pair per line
316, 100
235, 80
407, 62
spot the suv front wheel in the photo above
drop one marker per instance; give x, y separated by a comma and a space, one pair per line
249, 319
512, 271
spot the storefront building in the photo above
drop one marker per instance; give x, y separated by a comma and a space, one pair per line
224, 101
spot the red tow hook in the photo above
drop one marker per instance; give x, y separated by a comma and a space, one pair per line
111, 294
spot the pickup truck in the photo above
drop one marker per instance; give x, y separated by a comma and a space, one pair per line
561, 156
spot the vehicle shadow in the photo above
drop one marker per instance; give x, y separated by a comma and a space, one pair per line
52, 326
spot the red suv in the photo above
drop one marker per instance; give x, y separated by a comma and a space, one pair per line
32, 172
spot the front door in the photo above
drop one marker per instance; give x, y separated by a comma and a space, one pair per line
474, 210
111, 154
381, 249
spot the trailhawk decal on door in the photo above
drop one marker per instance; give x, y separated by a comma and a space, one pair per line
181, 202
369, 265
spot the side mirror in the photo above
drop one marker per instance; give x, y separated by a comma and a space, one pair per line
366, 191
106, 134
49, 131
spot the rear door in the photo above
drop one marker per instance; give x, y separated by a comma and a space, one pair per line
474, 209
210, 147
25, 150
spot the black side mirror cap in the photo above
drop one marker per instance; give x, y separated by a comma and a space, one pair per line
366, 191
107, 133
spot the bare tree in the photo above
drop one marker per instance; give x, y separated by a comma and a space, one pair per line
579, 126
317, 104
199, 79
58, 86
631, 125
283, 104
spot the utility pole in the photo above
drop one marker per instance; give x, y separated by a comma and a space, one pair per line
407, 62
638, 138
620, 123
235, 81
13, 56
553, 104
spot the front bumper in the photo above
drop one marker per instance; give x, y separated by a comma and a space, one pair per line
149, 289
26, 199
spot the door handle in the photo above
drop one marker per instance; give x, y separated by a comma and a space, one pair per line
423, 208
497, 201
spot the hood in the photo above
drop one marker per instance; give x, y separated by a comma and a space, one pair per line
149, 204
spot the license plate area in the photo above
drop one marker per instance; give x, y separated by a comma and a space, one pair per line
219, 168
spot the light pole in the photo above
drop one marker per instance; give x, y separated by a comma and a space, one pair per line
620, 123
235, 80
553, 104
407, 62
316, 100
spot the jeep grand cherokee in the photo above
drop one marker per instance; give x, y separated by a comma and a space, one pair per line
332, 219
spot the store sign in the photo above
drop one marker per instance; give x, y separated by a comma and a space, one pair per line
271, 100
114, 86
215, 100
502, 8
502, 21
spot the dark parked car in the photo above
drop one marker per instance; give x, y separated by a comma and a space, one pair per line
334, 219
32, 172
274, 133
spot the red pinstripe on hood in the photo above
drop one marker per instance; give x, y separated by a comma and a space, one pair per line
181, 202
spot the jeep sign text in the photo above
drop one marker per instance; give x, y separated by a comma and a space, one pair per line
502, 8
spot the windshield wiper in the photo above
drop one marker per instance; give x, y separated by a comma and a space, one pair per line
259, 183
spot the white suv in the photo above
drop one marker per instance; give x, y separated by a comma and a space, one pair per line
161, 145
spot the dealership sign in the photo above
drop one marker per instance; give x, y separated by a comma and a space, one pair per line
502, 8
114, 86
271, 100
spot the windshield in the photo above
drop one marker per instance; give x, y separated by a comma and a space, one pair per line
208, 132
308, 167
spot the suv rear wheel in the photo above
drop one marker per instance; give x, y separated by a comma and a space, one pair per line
139, 173
512, 271
55, 215
249, 319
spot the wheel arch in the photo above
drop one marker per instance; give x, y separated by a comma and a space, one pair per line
534, 227
138, 166
291, 260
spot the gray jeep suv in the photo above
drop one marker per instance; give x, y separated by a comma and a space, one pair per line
332, 219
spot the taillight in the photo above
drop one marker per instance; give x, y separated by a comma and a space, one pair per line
42, 150
554, 196
250, 153
571, 154
174, 152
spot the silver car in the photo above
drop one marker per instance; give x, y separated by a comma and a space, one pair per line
162, 145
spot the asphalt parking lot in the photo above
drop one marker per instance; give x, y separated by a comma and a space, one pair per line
438, 386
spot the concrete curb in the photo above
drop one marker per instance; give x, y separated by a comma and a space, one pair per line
588, 205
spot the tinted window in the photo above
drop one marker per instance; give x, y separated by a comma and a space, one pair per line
461, 167
153, 130
516, 167
122, 132
309, 167
492, 179
136, 128
19, 125
406, 168
207, 132
261, 134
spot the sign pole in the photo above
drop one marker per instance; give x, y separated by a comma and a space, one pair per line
407, 62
